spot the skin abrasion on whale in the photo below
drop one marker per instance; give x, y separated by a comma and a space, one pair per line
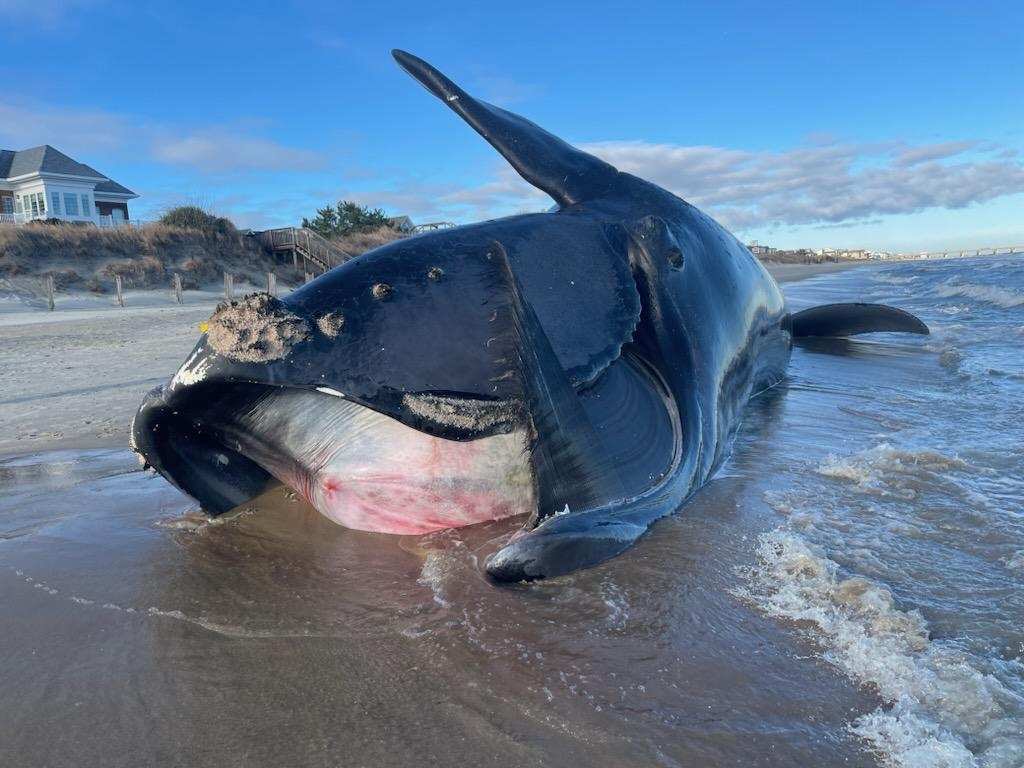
585, 368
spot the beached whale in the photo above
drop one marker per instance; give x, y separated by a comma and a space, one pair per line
585, 367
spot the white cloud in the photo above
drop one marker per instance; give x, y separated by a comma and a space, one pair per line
505, 194
22, 127
220, 151
915, 155
823, 184
208, 149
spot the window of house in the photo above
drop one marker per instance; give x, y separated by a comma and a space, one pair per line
7, 204
86, 208
36, 204
70, 204
55, 203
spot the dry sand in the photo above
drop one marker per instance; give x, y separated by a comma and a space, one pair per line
73, 378
790, 273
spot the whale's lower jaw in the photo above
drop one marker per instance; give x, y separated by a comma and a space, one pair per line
357, 467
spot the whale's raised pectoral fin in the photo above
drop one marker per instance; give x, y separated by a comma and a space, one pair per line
832, 320
570, 463
568, 174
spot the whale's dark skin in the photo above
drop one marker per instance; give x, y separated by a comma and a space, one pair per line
623, 333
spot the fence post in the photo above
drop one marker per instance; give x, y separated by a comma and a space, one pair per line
177, 288
271, 283
118, 286
229, 286
49, 292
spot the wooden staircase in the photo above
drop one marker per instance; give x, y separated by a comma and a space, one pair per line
304, 244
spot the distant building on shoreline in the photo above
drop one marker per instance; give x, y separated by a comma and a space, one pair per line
44, 183
808, 255
855, 254
762, 251
402, 223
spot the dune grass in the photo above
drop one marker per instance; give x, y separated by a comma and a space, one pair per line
198, 248
360, 242
145, 257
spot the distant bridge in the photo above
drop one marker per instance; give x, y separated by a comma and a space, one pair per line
1002, 250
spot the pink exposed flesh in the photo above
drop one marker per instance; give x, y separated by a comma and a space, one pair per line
370, 472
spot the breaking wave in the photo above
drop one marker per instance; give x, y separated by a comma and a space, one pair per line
991, 294
939, 709
890, 471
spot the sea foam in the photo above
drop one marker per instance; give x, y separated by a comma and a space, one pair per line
889, 471
990, 294
939, 706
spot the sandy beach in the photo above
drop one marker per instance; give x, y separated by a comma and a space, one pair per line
74, 377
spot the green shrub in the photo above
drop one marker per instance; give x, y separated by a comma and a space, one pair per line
346, 218
194, 217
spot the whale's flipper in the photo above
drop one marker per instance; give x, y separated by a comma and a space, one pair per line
571, 466
548, 163
563, 544
852, 319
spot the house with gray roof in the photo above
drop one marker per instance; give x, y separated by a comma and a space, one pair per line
44, 183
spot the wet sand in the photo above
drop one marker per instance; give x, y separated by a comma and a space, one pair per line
138, 634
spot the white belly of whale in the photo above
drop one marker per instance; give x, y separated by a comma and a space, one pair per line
370, 472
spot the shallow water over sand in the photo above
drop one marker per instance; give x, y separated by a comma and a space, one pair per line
847, 591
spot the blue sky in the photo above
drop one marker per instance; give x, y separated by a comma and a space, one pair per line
885, 125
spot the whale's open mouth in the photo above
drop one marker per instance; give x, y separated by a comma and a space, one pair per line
358, 467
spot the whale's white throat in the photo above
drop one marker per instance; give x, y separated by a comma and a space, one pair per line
367, 471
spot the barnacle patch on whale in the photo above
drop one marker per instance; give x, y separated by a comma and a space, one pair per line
257, 328
330, 325
464, 414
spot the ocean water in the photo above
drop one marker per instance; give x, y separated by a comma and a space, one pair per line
848, 591
899, 548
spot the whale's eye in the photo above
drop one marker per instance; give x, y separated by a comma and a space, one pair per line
381, 290
435, 273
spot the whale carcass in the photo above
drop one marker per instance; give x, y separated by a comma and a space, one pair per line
585, 367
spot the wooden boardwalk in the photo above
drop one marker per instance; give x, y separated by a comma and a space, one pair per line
306, 246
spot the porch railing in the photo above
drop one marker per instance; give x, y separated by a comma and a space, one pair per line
105, 222
21, 218
109, 222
